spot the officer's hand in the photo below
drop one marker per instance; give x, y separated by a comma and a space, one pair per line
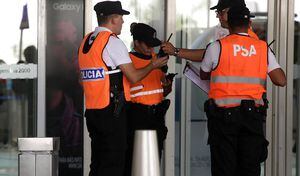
168, 48
157, 63
167, 86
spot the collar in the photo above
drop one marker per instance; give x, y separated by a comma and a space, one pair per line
242, 33
140, 55
96, 31
100, 29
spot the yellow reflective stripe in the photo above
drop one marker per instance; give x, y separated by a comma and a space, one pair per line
237, 79
147, 93
232, 101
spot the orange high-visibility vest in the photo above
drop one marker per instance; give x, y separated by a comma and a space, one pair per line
148, 91
241, 72
95, 74
252, 34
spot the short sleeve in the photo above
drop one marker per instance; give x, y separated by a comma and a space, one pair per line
117, 51
272, 63
211, 57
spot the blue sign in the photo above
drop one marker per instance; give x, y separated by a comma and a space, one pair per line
92, 74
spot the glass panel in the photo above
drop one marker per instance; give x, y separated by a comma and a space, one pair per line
196, 26
296, 94
150, 12
64, 97
18, 83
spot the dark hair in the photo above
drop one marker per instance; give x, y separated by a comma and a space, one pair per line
238, 16
132, 25
238, 23
104, 19
30, 54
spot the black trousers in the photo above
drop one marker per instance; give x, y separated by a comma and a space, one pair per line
237, 142
108, 141
145, 117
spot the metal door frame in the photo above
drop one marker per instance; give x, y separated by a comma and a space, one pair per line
279, 120
41, 76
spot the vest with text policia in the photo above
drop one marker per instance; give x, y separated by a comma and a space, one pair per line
149, 90
241, 72
95, 74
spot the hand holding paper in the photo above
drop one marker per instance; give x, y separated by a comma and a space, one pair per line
192, 73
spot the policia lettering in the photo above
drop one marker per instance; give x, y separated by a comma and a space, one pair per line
92, 74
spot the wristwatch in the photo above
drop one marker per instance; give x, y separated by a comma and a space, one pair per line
176, 52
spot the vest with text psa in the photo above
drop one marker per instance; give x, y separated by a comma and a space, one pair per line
241, 72
149, 90
95, 74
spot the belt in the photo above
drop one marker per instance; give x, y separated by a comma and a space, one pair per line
146, 107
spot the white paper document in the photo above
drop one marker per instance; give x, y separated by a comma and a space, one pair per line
192, 73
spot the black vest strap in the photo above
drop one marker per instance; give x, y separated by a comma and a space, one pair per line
87, 46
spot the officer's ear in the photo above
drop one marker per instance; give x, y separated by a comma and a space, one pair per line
113, 18
250, 24
136, 43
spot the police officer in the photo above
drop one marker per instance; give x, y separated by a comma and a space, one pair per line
237, 67
196, 55
105, 68
148, 107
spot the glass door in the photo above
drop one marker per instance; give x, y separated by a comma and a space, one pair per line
296, 93
18, 79
63, 92
196, 26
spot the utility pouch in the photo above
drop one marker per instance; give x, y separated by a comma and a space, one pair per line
247, 105
117, 93
210, 106
119, 102
263, 109
264, 152
163, 107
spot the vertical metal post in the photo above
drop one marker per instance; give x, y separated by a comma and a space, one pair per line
41, 97
279, 121
20, 47
169, 152
289, 88
88, 10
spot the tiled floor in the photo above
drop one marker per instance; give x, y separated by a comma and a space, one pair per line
8, 161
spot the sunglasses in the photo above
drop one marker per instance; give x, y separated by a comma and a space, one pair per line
221, 12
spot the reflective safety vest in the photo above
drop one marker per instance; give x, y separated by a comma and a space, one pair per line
149, 90
241, 72
95, 74
252, 34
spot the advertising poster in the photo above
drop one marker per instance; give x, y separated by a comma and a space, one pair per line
64, 96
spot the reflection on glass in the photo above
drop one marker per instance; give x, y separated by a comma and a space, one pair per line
18, 48
64, 97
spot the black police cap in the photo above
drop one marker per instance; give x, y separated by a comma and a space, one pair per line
239, 12
106, 8
223, 4
145, 33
